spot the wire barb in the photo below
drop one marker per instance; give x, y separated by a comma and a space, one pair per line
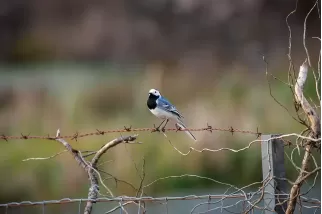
209, 128
4, 137
259, 134
232, 130
24, 136
128, 129
75, 136
99, 132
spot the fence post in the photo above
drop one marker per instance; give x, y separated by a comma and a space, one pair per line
273, 167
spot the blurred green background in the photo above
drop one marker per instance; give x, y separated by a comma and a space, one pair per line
81, 67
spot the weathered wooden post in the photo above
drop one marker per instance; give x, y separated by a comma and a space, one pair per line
273, 167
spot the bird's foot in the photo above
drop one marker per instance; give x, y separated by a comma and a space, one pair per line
163, 129
156, 129
178, 128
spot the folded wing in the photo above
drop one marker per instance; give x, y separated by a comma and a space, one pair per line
165, 105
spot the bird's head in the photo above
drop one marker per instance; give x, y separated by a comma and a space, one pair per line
154, 93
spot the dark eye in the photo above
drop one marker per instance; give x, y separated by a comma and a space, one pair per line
155, 91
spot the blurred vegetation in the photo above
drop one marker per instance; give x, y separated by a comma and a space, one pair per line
204, 56
85, 97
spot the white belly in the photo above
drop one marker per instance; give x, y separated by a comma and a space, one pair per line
163, 114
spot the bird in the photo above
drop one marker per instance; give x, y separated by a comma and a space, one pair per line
163, 109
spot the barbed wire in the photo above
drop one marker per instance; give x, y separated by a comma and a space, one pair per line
77, 135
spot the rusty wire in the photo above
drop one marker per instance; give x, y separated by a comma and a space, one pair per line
129, 129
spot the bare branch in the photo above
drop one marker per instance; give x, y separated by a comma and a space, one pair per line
307, 52
92, 171
77, 156
304, 34
46, 158
142, 180
274, 98
307, 108
109, 145
121, 206
315, 133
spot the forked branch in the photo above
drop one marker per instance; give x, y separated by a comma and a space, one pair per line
91, 167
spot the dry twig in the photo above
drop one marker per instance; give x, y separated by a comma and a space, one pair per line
91, 168
315, 133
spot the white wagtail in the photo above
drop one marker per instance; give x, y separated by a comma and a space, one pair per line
162, 108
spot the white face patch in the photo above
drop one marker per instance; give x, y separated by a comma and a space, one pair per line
154, 92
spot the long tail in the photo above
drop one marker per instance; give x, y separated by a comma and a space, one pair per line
181, 125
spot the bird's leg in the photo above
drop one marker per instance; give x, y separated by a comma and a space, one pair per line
161, 124
163, 128
157, 129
